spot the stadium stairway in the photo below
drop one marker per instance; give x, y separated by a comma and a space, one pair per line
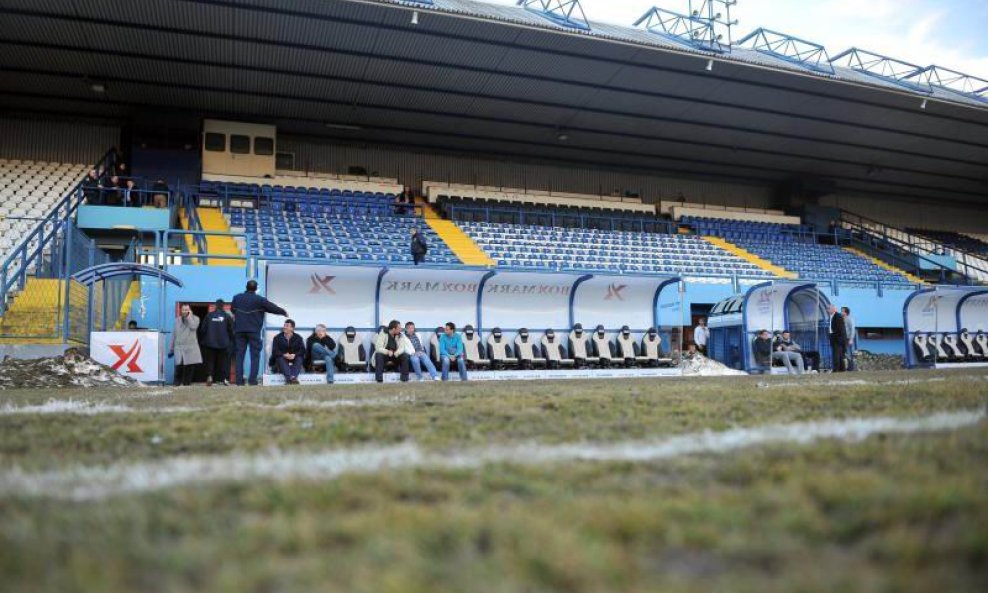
459, 242
212, 219
133, 294
882, 264
35, 316
749, 257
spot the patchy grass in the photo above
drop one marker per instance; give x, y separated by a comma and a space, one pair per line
892, 513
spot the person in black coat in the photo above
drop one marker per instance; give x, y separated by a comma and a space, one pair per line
761, 348
249, 309
838, 340
91, 187
288, 353
419, 246
216, 335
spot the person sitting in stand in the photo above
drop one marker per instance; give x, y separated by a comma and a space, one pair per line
159, 196
288, 352
392, 347
320, 346
761, 349
419, 358
451, 349
787, 351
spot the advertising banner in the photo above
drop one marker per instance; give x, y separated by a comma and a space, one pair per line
513, 300
615, 301
134, 354
430, 298
335, 296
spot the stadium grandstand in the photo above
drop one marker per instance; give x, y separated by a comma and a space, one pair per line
671, 165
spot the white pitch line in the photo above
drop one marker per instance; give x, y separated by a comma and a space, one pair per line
87, 408
82, 483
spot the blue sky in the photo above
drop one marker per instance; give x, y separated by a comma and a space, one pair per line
949, 33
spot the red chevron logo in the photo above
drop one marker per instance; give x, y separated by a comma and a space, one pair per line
128, 357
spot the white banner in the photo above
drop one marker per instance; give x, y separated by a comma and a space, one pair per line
430, 298
615, 301
134, 354
336, 296
520, 299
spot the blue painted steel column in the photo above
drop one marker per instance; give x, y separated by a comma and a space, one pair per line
480, 299
377, 297
572, 297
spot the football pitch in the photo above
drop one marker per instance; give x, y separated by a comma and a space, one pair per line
861, 482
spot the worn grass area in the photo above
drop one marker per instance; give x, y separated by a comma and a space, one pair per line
891, 513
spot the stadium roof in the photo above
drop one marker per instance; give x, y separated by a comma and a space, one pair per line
475, 77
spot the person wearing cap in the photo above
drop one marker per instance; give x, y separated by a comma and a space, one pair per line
249, 309
419, 357
216, 335
451, 349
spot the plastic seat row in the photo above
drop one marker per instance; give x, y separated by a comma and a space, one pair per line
951, 347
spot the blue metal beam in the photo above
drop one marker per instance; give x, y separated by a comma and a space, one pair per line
954, 81
812, 56
567, 13
690, 30
885, 68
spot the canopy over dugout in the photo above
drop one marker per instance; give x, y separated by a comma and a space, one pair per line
799, 308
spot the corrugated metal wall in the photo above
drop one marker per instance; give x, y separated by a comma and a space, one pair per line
904, 214
411, 168
55, 141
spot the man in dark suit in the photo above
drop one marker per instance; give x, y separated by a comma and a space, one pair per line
838, 339
249, 309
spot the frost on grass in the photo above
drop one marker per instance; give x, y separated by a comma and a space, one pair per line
97, 482
71, 370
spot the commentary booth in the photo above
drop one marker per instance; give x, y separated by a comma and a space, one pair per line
798, 307
366, 298
946, 327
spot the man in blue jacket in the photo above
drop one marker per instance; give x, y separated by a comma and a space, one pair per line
451, 349
249, 309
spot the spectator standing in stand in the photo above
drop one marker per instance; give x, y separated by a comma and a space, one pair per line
419, 246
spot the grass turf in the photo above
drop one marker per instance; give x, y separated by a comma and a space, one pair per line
894, 513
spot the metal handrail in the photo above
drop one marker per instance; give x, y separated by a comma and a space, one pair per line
23, 256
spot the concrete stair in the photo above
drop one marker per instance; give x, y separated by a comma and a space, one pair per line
750, 257
885, 265
459, 242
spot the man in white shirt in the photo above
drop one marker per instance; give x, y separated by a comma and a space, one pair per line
701, 335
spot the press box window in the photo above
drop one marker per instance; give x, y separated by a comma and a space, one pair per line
239, 144
264, 146
215, 142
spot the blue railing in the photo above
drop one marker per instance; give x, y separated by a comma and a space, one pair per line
27, 256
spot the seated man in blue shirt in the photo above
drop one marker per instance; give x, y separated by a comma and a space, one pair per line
450, 349
420, 358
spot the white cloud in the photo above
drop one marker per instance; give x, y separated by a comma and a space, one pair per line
916, 31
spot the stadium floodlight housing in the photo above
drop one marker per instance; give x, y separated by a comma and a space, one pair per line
566, 13
885, 68
701, 27
807, 54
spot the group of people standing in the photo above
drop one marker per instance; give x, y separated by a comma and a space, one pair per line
116, 187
